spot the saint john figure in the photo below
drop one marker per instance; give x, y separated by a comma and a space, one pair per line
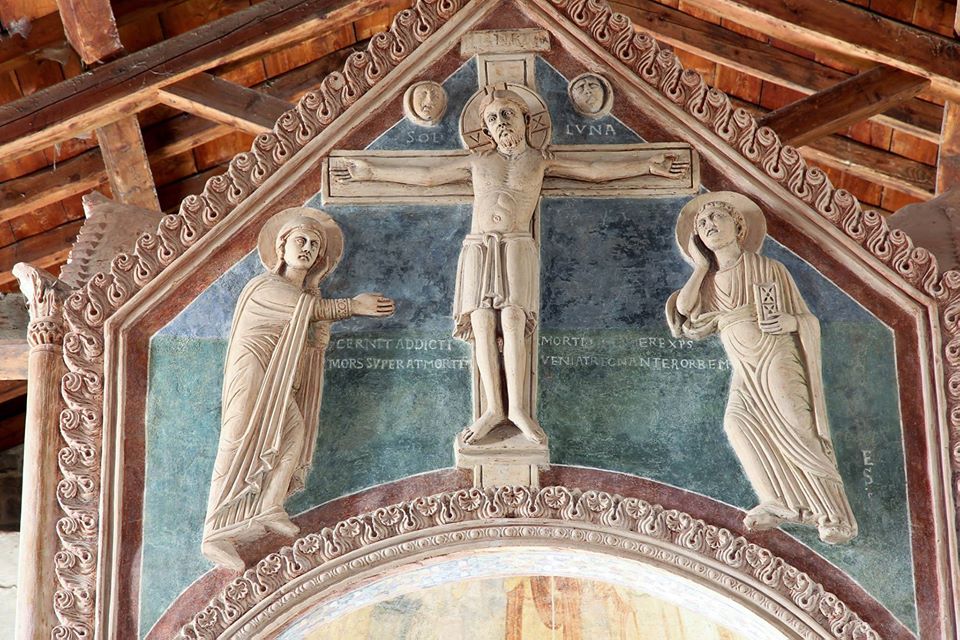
776, 418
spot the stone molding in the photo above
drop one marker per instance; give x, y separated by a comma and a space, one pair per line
552, 516
91, 305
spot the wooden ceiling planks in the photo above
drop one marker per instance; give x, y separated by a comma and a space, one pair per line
848, 30
164, 139
212, 143
129, 84
728, 45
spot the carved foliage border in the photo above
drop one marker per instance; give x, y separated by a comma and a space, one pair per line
89, 307
607, 516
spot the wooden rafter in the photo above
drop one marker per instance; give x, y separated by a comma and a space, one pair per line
948, 161
866, 162
162, 140
90, 29
131, 83
874, 165
842, 105
225, 102
43, 250
126, 163
764, 61
850, 31
47, 32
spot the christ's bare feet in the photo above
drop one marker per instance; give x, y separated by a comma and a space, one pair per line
482, 426
528, 426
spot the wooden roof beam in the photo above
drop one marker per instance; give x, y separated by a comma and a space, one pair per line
225, 102
126, 163
47, 32
764, 61
131, 83
852, 31
163, 140
863, 161
91, 29
12, 390
874, 165
948, 160
842, 105
42, 250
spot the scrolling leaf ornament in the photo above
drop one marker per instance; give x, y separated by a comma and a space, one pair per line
552, 516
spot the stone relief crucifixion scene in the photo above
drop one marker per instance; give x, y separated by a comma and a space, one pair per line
530, 243
513, 329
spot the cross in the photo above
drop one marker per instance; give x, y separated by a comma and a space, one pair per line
506, 168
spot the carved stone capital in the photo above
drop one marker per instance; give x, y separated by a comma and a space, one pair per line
45, 295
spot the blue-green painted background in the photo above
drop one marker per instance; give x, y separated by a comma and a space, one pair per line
615, 391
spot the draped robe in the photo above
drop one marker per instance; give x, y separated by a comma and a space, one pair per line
270, 411
776, 416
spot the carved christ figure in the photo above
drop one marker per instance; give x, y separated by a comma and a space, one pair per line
273, 380
776, 417
498, 276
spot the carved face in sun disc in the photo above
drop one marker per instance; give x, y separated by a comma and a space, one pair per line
505, 121
424, 103
301, 248
429, 101
717, 227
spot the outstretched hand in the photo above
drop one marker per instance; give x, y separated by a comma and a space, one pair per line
352, 171
373, 305
667, 166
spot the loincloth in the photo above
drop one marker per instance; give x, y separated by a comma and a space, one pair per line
496, 271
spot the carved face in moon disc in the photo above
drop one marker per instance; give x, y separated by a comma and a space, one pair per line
504, 121
716, 227
588, 94
429, 101
301, 248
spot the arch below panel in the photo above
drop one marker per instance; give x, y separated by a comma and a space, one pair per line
339, 561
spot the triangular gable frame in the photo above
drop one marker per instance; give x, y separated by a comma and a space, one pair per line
98, 316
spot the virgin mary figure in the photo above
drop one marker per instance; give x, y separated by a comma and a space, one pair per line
273, 381
776, 418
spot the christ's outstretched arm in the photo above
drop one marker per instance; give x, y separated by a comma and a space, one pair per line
663, 165
457, 170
